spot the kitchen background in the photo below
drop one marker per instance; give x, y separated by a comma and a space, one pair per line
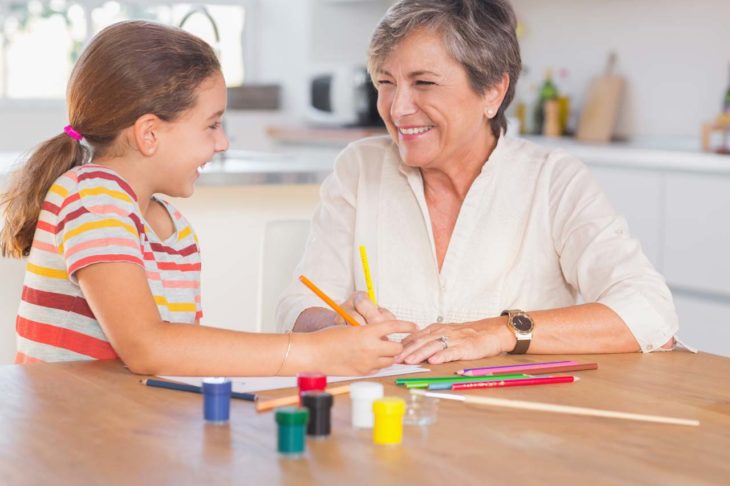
673, 58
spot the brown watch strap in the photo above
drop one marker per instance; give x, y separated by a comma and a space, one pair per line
522, 345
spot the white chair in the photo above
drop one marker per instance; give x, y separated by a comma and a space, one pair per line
282, 248
12, 273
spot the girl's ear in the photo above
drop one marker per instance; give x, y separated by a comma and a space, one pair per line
145, 134
494, 95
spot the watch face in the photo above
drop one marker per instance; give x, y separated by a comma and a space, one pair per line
522, 323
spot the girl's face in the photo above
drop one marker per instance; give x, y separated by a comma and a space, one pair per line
191, 141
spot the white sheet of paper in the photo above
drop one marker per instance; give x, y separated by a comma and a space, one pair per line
249, 384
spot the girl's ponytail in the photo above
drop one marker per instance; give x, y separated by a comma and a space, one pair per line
28, 188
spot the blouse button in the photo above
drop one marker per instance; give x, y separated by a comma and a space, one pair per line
440, 319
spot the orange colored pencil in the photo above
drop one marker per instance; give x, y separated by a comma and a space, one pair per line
347, 317
265, 405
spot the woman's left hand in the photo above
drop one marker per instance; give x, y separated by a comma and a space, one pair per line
440, 343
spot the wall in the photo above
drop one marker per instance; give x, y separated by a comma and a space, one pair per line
674, 55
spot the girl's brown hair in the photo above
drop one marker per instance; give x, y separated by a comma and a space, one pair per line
128, 70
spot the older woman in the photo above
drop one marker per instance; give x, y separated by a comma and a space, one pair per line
489, 239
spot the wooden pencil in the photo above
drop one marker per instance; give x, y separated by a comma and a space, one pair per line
265, 405
550, 407
333, 305
551, 369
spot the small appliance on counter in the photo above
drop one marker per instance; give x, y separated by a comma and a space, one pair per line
343, 97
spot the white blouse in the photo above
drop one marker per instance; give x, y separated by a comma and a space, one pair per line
534, 232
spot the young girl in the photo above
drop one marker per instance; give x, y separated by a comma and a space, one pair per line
114, 271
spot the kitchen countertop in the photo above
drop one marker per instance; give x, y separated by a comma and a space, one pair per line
306, 160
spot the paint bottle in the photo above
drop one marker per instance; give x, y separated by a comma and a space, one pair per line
292, 422
308, 381
388, 426
362, 396
217, 400
319, 405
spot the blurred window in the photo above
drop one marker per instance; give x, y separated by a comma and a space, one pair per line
40, 40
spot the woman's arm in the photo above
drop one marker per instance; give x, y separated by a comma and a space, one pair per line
120, 298
579, 329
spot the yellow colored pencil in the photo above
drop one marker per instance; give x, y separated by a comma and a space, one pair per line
347, 317
366, 271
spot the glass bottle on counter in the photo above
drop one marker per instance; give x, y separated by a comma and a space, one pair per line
726, 101
548, 91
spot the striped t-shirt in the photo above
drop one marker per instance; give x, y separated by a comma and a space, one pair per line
90, 215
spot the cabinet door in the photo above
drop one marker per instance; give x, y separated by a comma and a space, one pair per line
637, 195
704, 323
697, 232
11, 286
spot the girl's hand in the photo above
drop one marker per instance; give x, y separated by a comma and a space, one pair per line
358, 350
441, 343
361, 308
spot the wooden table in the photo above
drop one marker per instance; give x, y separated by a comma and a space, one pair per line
95, 423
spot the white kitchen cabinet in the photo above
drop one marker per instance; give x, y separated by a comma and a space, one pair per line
637, 195
704, 323
697, 232
11, 286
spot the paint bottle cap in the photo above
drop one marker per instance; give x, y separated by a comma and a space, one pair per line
368, 390
389, 406
291, 416
319, 405
311, 381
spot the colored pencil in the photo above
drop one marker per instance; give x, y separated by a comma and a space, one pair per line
447, 385
424, 382
543, 380
265, 405
515, 367
553, 369
366, 271
170, 385
550, 407
347, 317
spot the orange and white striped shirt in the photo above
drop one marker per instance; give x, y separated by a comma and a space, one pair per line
90, 215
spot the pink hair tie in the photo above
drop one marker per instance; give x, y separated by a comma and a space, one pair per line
72, 133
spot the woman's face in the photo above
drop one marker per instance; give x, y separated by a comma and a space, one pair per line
429, 107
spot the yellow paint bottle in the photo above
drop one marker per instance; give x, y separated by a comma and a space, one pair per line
388, 427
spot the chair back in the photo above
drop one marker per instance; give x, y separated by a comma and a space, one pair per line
282, 248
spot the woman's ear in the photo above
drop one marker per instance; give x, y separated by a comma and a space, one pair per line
145, 133
494, 95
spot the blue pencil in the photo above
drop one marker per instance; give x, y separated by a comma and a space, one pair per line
250, 397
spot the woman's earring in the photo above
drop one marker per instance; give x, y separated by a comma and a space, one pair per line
490, 113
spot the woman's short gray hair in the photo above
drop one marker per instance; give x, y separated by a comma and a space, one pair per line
480, 34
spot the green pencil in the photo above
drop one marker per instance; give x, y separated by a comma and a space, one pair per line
424, 382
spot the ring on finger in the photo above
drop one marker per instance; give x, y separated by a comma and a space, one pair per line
444, 341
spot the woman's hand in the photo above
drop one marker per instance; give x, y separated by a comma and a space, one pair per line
441, 343
362, 309
357, 350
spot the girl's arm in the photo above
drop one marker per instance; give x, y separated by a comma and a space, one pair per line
120, 298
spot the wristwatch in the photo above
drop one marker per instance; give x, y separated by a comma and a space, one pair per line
521, 324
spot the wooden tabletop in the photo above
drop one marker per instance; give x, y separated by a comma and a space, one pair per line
93, 423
